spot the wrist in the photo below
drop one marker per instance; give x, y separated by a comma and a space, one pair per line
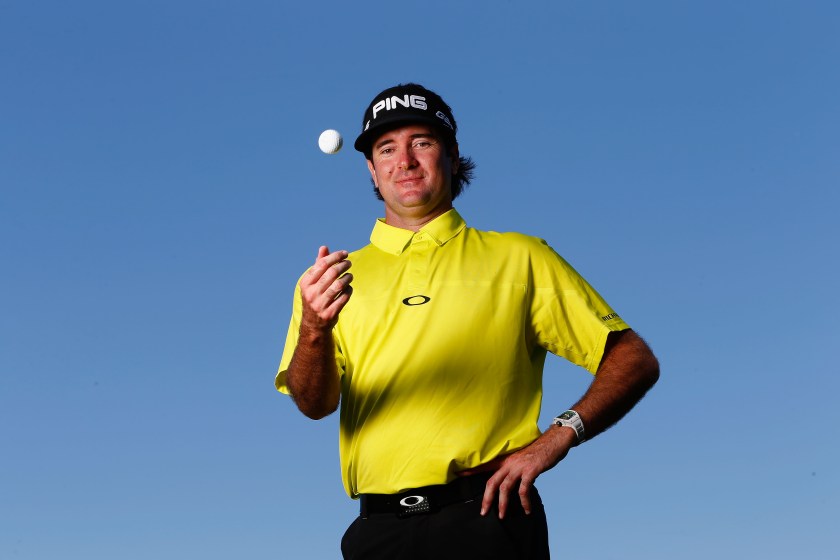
571, 420
314, 334
563, 436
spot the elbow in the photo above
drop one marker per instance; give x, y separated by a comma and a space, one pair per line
316, 409
650, 371
646, 363
317, 413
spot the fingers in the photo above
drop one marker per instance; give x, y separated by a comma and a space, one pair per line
508, 487
489, 495
328, 266
525, 496
325, 288
501, 484
512, 481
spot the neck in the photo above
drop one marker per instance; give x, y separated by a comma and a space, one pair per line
414, 223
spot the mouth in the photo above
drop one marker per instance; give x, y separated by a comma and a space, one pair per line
408, 180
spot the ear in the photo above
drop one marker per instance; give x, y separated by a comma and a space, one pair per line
372, 173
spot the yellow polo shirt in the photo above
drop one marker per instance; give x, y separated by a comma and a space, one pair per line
441, 349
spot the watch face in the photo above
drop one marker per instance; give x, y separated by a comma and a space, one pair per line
568, 415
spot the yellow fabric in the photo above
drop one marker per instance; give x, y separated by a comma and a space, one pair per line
443, 385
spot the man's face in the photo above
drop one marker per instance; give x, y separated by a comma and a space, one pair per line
413, 171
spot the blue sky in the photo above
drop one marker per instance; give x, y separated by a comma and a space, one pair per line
161, 190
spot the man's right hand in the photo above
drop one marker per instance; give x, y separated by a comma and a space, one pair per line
312, 377
325, 290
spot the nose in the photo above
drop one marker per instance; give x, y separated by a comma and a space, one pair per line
406, 158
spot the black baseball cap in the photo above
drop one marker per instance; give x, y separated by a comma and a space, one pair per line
400, 105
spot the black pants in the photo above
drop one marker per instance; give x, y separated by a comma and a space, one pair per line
457, 531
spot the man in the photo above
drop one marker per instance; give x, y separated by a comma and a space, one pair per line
434, 346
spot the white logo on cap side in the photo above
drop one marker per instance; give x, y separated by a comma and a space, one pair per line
445, 119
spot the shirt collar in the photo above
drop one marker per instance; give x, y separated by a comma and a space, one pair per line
394, 240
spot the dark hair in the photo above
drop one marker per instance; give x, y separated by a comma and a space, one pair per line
466, 166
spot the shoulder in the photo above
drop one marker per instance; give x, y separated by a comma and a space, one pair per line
509, 240
527, 252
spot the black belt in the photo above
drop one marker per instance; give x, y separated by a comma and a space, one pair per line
425, 499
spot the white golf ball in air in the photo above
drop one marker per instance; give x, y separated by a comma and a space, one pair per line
330, 141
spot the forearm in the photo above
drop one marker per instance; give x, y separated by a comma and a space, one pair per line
312, 376
627, 371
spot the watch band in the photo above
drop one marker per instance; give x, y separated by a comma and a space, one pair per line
571, 419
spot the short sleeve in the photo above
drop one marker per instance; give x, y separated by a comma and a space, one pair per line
292, 336
570, 319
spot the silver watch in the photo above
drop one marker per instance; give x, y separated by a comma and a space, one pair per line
571, 419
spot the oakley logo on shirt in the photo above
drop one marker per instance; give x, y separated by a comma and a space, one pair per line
416, 300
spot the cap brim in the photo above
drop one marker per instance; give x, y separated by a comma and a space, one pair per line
369, 136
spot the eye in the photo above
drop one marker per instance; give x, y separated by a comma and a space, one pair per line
424, 143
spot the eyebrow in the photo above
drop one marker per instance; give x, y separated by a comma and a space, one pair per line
386, 141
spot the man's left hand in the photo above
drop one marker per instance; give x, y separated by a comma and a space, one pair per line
626, 372
516, 473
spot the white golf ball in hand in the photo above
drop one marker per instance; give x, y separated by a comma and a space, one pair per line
330, 141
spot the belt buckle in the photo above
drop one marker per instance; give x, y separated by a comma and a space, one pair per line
413, 505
